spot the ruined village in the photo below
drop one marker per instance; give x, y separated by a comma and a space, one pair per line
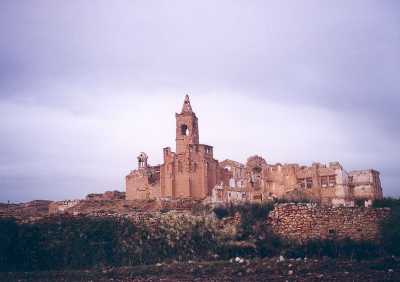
207, 141
196, 217
192, 174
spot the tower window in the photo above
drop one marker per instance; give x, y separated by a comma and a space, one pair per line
257, 169
184, 130
324, 181
332, 180
180, 169
309, 182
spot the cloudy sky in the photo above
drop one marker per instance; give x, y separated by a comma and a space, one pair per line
86, 85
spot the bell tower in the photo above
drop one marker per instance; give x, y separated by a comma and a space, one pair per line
187, 131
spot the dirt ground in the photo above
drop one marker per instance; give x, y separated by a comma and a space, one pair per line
25, 211
237, 269
104, 207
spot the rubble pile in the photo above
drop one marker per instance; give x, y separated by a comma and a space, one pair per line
178, 204
111, 207
108, 195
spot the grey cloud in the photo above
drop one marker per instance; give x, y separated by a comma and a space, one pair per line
85, 62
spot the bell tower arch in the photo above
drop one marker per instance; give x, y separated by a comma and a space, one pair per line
187, 130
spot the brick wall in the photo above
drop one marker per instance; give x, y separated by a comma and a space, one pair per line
302, 222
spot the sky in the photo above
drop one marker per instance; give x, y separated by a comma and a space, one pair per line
87, 85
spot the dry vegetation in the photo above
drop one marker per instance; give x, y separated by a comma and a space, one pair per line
225, 243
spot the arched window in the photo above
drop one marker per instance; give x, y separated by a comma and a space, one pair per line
184, 130
257, 169
180, 169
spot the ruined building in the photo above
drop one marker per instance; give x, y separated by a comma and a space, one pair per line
189, 172
192, 172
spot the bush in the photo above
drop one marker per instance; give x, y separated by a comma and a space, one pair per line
294, 201
387, 202
86, 242
8, 236
76, 243
250, 213
268, 244
390, 232
390, 227
221, 212
200, 209
334, 248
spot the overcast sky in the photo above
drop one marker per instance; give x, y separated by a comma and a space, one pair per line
86, 85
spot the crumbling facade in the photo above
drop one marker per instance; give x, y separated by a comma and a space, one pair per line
189, 172
192, 172
62, 206
326, 184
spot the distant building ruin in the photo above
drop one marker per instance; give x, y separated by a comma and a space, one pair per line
192, 172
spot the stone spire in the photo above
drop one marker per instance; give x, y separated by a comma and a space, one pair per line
186, 105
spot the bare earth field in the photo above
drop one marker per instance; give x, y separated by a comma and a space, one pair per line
23, 211
268, 269
40, 208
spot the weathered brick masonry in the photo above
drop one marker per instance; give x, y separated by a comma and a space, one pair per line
192, 172
303, 222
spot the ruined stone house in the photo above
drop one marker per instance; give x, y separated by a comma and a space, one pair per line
192, 172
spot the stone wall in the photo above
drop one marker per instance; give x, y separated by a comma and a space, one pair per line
108, 195
303, 222
62, 206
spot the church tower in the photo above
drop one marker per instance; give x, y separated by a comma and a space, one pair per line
191, 171
187, 130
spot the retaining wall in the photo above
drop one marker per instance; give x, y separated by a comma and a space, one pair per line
303, 222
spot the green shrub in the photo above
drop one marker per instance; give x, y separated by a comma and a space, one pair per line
76, 243
200, 209
86, 242
334, 248
294, 201
390, 232
267, 243
235, 249
387, 202
8, 236
221, 212
250, 213
390, 227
